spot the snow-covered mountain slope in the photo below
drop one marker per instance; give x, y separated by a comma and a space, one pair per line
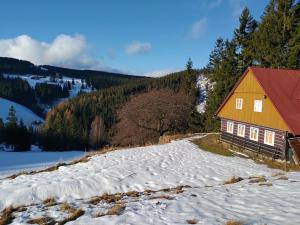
203, 85
33, 80
153, 168
22, 112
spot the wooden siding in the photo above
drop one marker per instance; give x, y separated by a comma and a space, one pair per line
279, 141
249, 90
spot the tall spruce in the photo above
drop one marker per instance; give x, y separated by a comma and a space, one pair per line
274, 32
189, 78
224, 72
243, 36
11, 117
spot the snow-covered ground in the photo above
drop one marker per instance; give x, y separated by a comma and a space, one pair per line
153, 168
22, 112
13, 162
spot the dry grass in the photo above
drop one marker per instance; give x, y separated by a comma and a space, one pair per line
168, 138
42, 221
211, 143
21, 209
107, 198
233, 222
278, 174
192, 221
265, 184
161, 197
65, 207
73, 215
233, 180
7, 215
282, 178
117, 209
260, 179
49, 202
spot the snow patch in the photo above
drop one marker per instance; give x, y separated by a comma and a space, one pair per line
203, 85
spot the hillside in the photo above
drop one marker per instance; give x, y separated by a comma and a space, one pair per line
22, 113
98, 79
159, 184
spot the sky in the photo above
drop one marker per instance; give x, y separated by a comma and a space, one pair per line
140, 37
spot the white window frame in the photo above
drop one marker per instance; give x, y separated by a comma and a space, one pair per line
230, 124
239, 103
257, 107
250, 132
243, 128
266, 141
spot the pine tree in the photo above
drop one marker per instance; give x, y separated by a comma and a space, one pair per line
275, 30
189, 78
294, 41
224, 72
11, 118
97, 133
243, 36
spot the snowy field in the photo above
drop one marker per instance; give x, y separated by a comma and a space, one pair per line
13, 162
206, 199
21, 112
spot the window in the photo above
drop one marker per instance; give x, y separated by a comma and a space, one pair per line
253, 134
241, 130
230, 126
239, 103
257, 105
269, 137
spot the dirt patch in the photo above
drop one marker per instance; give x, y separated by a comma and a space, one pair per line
233, 180
7, 215
233, 222
192, 221
42, 221
258, 180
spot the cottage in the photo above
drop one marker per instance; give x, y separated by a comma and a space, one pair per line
262, 113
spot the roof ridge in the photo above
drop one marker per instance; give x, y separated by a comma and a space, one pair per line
272, 68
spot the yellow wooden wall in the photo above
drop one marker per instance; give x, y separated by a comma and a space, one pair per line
249, 90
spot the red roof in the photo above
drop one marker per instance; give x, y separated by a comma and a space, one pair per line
282, 86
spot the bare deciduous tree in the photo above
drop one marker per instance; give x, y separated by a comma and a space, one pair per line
97, 133
148, 116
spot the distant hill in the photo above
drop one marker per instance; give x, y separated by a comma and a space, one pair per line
98, 79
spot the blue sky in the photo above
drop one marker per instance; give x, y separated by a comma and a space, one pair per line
133, 36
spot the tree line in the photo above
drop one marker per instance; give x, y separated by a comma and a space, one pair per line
14, 133
90, 120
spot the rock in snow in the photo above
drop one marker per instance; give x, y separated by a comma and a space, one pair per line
156, 167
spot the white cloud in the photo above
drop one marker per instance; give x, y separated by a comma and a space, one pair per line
160, 73
137, 47
64, 50
197, 29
